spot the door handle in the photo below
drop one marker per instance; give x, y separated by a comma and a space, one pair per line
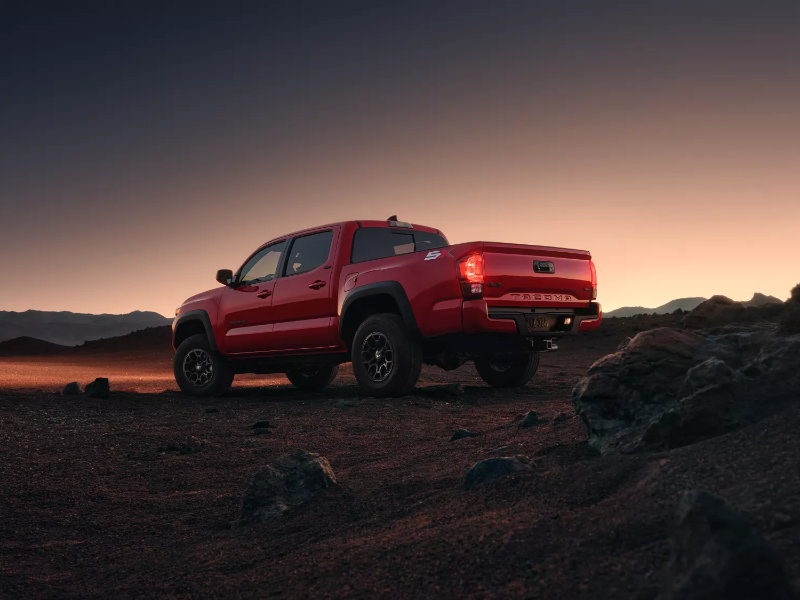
264, 294
316, 285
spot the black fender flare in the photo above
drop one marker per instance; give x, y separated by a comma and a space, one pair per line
394, 289
196, 315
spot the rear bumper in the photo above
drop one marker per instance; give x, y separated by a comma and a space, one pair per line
478, 317
590, 321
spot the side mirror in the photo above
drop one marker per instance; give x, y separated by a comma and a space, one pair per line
225, 276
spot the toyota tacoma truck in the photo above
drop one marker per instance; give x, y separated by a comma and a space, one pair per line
386, 296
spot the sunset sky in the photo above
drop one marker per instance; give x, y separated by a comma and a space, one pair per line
143, 149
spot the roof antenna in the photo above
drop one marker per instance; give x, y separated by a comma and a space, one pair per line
392, 218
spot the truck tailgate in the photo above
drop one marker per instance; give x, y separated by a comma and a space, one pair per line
518, 275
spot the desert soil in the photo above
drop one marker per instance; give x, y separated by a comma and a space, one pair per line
135, 496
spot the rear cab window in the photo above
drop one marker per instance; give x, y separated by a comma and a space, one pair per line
370, 243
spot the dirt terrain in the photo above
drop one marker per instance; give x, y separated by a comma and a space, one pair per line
136, 495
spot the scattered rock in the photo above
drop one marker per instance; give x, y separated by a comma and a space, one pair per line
344, 403
189, 445
530, 419
561, 418
717, 555
98, 388
492, 468
455, 389
292, 480
462, 433
71, 389
782, 521
261, 424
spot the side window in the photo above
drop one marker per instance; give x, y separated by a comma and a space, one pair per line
428, 241
402, 243
263, 265
370, 243
309, 252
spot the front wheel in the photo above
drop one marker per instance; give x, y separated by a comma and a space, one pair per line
386, 359
508, 370
199, 371
312, 377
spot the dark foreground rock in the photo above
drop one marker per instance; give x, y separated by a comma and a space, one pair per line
99, 388
530, 419
189, 445
669, 387
717, 555
492, 468
461, 434
292, 480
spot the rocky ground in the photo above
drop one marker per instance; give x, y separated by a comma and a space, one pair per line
141, 494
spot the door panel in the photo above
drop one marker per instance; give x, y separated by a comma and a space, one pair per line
245, 307
304, 302
247, 321
299, 335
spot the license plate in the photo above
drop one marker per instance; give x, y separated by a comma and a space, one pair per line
539, 322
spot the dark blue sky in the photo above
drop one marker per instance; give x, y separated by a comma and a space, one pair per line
154, 143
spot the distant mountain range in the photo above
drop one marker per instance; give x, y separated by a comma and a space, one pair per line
70, 329
685, 304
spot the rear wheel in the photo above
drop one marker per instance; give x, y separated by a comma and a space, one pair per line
508, 370
386, 359
312, 377
199, 371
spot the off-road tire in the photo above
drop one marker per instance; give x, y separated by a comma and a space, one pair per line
312, 377
386, 358
510, 370
199, 371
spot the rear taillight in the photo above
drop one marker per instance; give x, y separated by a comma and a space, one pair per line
594, 280
470, 272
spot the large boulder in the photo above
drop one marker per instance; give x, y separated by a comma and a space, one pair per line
293, 480
671, 387
717, 555
624, 391
790, 319
493, 468
717, 310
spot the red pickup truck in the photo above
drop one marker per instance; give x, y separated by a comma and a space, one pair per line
386, 296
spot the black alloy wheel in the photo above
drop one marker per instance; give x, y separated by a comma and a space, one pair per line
377, 356
199, 371
386, 358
